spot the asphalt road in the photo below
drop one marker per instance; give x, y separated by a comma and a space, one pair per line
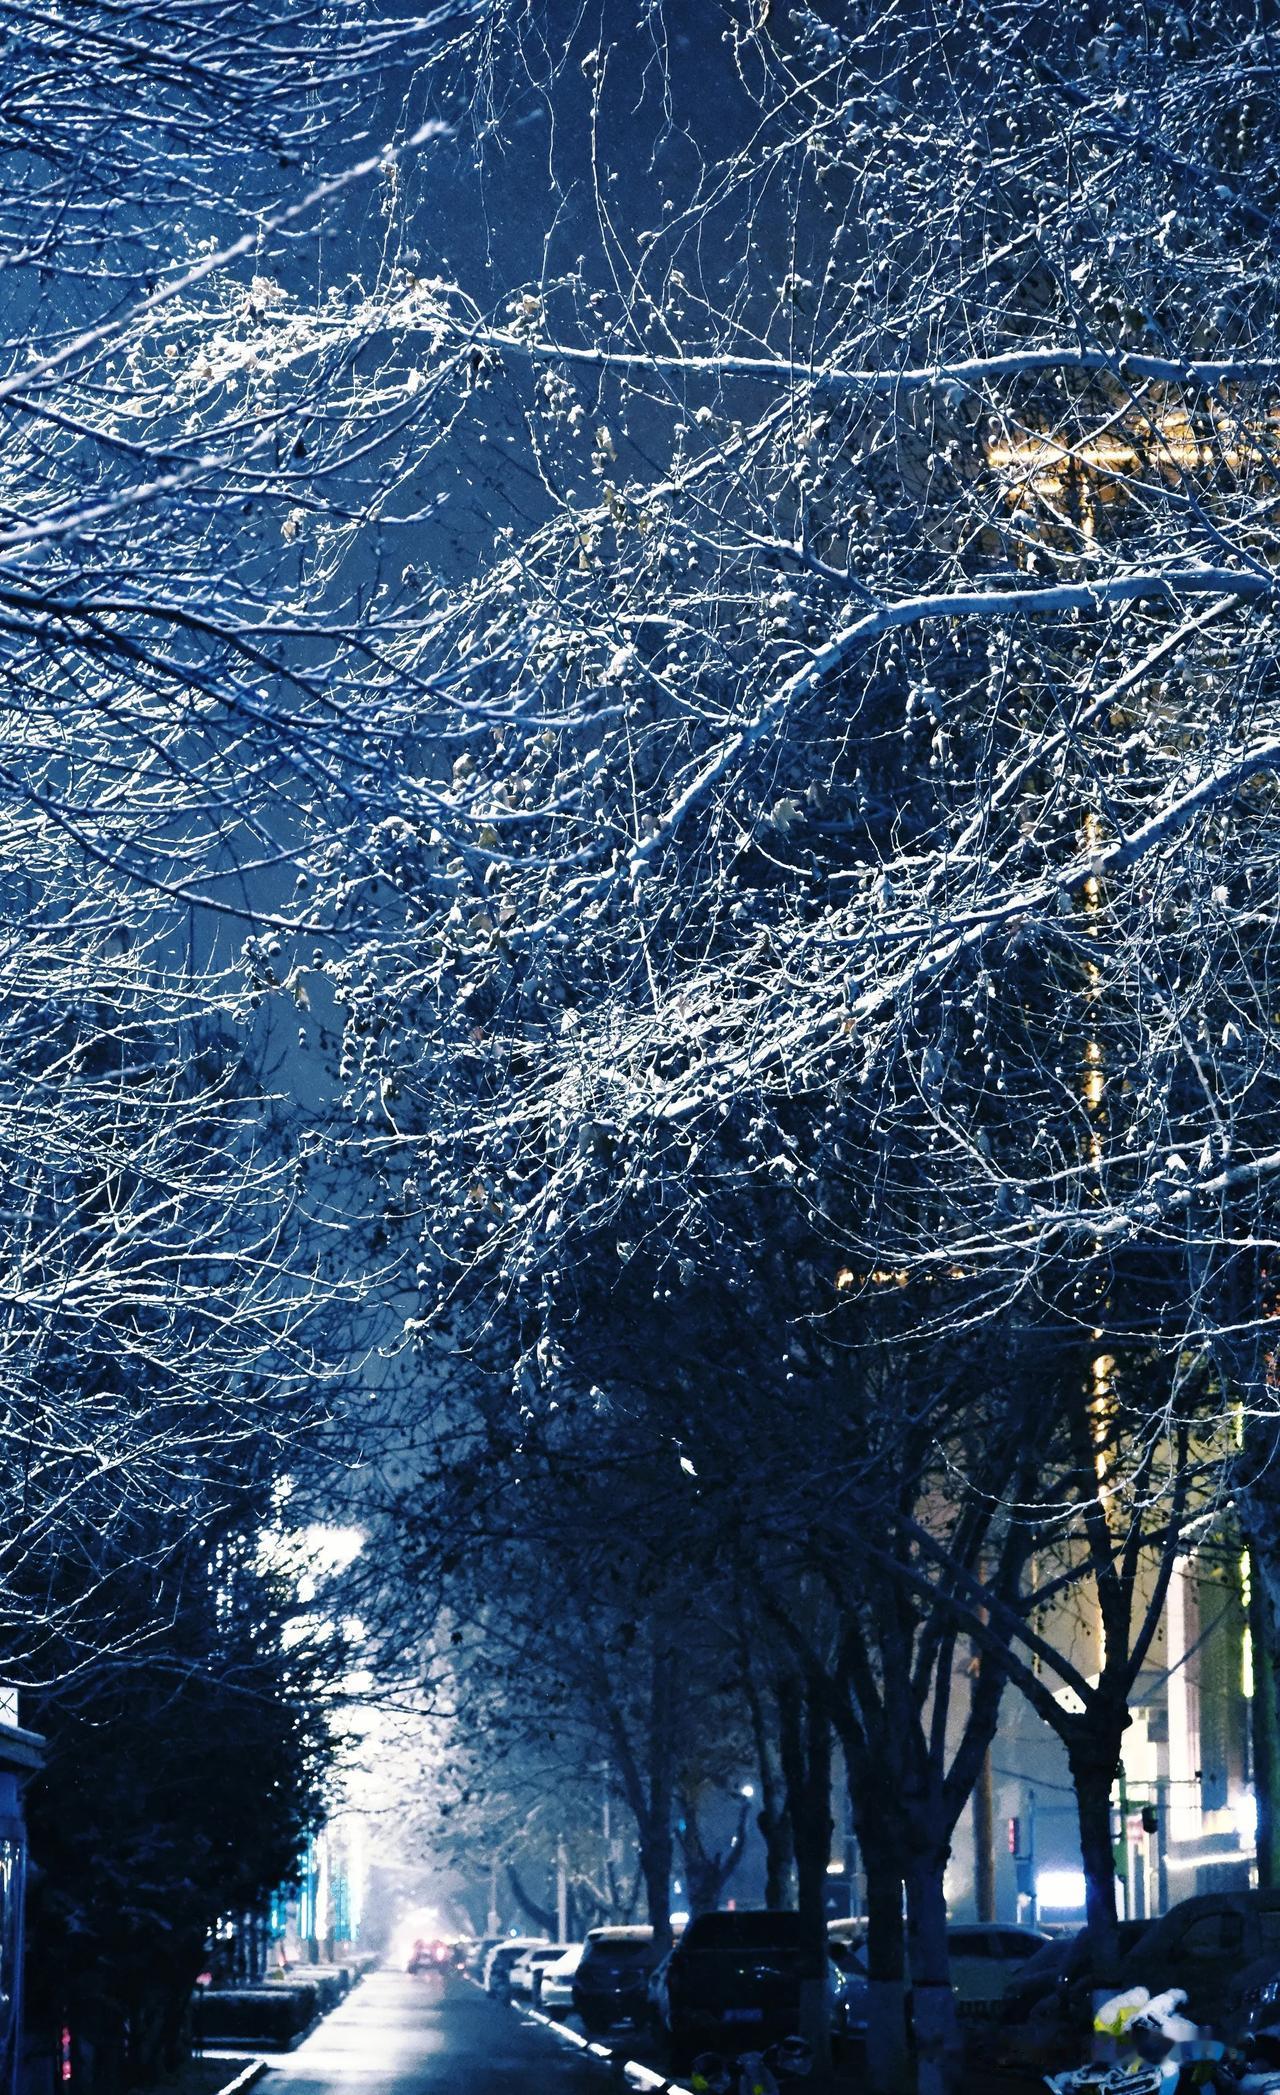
430, 2035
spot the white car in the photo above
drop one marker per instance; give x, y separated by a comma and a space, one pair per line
553, 1983
521, 1978
496, 1978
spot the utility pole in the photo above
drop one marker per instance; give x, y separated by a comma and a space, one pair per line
562, 1892
984, 1824
984, 1842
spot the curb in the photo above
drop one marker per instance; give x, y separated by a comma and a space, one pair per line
246, 2077
630, 2072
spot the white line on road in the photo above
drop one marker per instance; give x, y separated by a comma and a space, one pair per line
638, 2076
246, 2078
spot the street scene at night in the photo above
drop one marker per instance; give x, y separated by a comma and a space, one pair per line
640, 1047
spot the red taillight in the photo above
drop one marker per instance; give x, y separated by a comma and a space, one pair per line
64, 2055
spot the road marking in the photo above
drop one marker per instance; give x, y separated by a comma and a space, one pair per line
636, 2074
252, 2072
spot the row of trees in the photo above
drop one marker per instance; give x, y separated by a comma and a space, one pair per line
740, 712
711, 1566
820, 1036
179, 710
186, 1762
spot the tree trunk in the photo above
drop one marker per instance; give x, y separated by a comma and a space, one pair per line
984, 1843
933, 2008
779, 1852
886, 1957
707, 1871
155, 2015
1093, 1775
772, 1819
1265, 1729
657, 1837
805, 1739
655, 1865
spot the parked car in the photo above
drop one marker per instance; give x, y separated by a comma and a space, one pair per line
849, 2009
733, 1981
498, 1963
1253, 2005
984, 1958
851, 1929
1203, 1945
1060, 1974
520, 1980
847, 1942
478, 1955
611, 1984
553, 1983
657, 1992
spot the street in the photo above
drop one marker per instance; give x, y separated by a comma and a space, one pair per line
425, 2035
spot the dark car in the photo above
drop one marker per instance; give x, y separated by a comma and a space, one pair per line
1203, 1945
733, 1983
1061, 1973
611, 1984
